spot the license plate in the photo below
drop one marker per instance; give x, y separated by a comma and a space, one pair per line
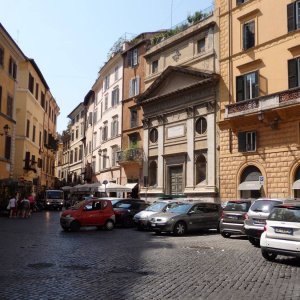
232, 217
283, 230
153, 225
259, 221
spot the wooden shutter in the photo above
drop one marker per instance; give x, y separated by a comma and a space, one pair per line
27, 160
242, 141
240, 88
129, 58
293, 73
291, 16
7, 146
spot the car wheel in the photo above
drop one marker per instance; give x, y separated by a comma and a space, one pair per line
254, 241
268, 255
179, 228
75, 226
109, 225
226, 235
65, 228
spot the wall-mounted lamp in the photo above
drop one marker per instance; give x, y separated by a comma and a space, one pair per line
261, 116
6, 129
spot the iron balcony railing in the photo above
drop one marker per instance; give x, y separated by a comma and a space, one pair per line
130, 155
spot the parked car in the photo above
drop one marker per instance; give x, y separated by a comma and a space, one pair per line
88, 213
186, 217
233, 216
281, 234
126, 208
142, 219
257, 215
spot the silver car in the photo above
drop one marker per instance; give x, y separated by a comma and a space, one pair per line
142, 219
257, 216
186, 217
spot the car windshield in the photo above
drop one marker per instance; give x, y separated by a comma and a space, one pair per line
237, 206
180, 208
264, 205
122, 205
287, 214
156, 207
54, 194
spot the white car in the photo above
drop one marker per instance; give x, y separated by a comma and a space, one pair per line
142, 219
282, 232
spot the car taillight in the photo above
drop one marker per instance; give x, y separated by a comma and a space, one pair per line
246, 217
222, 215
265, 228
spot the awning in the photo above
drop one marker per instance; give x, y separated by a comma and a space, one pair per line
296, 185
131, 185
250, 186
114, 187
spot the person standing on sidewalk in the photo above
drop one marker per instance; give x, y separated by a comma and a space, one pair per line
13, 206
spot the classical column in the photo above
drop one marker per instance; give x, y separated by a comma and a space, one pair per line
190, 130
160, 159
211, 149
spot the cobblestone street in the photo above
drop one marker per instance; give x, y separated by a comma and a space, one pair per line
40, 261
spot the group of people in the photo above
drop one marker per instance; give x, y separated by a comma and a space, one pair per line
20, 206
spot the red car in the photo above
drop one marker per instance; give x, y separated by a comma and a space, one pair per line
95, 212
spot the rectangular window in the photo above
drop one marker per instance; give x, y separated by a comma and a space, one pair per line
12, 68
104, 157
132, 57
133, 118
72, 135
90, 118
7, 146
80, 152
247, 86
294, 72
293, 16
71, 156
43, 100
9, 106
76, 155
30, 83
33, 133
106, 82
134, 88
115, 97
1, 57
76, 133
106, 103
37, 91
95, 117
113, 155
95, 139
155, 66
40, 139
90, 147
247, 141
249, 35
28, 128
116, 73
201, 45
104, 132
45, 137
114, 127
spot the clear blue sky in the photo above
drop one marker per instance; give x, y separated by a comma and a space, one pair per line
70, 39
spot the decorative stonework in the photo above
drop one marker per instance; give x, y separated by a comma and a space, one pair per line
177, 55
161, 119
146, 123
190, 112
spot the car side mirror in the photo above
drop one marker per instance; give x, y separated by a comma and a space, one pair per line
191, 212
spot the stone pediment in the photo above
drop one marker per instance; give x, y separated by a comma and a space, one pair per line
174, 80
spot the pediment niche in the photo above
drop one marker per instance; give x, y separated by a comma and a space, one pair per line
174, 79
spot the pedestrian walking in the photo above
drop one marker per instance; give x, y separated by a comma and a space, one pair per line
25, 208
12, 205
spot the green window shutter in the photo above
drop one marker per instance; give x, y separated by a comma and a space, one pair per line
242, 141
293, 73
291, 16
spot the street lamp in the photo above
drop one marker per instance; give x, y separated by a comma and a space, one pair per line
105, 182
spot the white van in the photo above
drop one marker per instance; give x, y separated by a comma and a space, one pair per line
54, 199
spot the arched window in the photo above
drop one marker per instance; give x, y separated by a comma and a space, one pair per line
153, 173
201, 125
201, 169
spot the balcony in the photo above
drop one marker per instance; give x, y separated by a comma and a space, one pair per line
130, 156
286, 99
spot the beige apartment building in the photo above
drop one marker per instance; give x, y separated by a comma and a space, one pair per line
10, 56
259, 98
179, 105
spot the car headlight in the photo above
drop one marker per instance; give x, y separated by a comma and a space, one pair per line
68, 216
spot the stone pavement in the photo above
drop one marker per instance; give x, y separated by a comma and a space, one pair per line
40, 261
